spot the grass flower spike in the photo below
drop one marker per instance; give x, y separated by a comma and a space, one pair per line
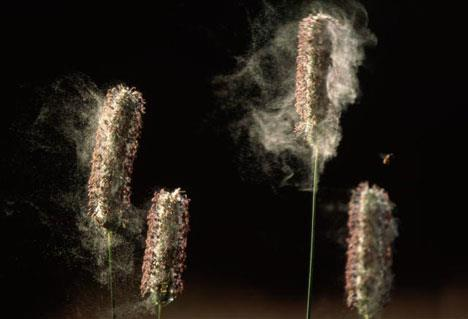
312, 65
166, 242
119, 127
372, 230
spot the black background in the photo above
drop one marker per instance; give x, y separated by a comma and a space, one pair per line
244, 232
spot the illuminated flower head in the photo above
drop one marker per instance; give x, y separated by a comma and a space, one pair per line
329, 52
120, 122
372, 230
166, 242
312, 64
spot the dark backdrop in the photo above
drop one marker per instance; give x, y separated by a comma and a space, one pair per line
245, 232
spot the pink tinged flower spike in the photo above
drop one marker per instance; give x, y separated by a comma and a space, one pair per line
119, 127
330, 51
312, 64
372, 231
166, 242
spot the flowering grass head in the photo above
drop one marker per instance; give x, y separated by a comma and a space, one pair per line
166, 242
119, 127
372, 230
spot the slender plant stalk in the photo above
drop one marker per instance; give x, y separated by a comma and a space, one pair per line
111, 289
312, 232
159, 311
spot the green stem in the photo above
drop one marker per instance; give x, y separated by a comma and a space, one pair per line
159, 311
312, 232
111, 289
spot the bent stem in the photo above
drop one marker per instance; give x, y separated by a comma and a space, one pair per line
312, 231
111, 289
